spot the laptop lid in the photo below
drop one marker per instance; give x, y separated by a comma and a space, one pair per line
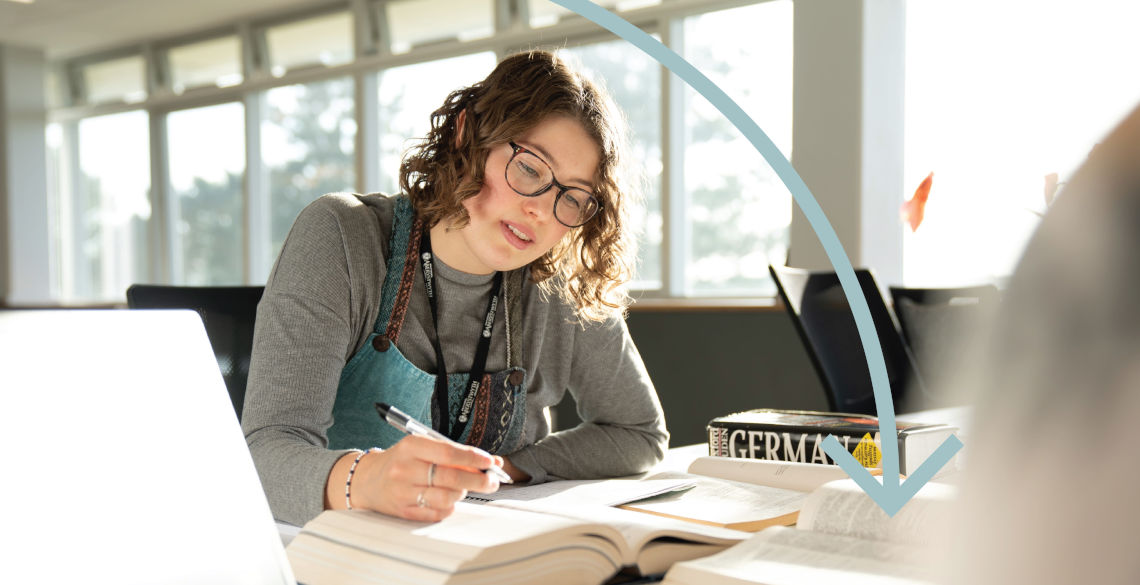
823, 318
123, 461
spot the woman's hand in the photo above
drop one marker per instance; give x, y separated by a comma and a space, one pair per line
517, 475
418, 478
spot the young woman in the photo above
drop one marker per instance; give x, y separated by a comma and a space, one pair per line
472, 302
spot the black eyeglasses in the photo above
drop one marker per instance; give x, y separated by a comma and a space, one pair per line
530, 176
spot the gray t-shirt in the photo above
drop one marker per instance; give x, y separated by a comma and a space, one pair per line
320, 304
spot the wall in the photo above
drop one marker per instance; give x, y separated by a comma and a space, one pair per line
847, 129
25, 257
705, 363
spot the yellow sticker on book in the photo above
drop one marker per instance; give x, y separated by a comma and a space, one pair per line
867, 453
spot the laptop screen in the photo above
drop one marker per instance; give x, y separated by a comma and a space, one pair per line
123, 461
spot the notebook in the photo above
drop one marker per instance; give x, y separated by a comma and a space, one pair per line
122, 460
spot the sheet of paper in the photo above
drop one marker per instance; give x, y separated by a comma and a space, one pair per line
804, 477
723, 503
591, 492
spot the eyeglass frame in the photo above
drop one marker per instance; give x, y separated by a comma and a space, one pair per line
562, 189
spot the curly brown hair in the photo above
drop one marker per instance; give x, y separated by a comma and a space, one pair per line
588, 268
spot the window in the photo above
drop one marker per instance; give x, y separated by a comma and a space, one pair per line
307, 146
1030, 94
634, 80
737, 211
546, 13
408, 95
104, 210
714, 214
207, 163
417, 22
322, 40
214, 62
116, 80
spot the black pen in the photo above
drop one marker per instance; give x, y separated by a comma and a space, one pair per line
395, 417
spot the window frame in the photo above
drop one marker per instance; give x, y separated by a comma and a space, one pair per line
372, 56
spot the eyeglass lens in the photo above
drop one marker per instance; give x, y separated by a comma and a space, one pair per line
530, 176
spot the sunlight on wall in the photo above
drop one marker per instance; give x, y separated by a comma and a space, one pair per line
999, 94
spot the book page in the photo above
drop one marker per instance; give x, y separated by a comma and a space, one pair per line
637, 529
472, 538
588, 492
786, 556
804, 477
842, 507
717, 502
649, 542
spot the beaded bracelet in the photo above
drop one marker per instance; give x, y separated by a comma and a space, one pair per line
352, 470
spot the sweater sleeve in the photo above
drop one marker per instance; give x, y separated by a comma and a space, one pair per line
623, 426
312, 317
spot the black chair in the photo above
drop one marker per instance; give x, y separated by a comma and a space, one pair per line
937, 324
228, 313
822, 316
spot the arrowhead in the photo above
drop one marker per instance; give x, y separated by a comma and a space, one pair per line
890, 495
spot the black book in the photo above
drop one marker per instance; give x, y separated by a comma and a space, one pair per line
797, 435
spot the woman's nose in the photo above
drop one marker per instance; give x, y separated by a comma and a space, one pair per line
541, 205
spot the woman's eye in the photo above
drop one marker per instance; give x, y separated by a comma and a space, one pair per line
527, 170
575, 200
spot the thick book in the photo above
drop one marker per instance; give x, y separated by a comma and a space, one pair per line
502, 542
842, 538
703, 499
562, 531
797, 436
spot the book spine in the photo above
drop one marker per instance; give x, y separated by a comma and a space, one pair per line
778, 444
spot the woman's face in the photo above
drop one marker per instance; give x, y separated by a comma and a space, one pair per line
509, 231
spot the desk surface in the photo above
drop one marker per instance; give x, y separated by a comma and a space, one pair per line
679, 458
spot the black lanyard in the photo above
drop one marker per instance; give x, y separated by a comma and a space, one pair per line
478, 367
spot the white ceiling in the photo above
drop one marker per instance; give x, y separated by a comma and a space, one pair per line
65, 28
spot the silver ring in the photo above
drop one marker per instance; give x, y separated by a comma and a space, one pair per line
420, 502
431, 475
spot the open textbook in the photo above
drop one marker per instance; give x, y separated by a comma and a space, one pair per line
842, 538
562, 531
494, 543
681, 496
557, 532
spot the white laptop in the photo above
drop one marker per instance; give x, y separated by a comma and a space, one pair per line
122, 461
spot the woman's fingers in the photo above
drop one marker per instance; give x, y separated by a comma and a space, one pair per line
430, 504
456, 466
462, 478
421, 479
447, 453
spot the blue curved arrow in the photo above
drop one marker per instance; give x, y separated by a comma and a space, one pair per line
889, 495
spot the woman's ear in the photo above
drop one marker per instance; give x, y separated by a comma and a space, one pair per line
459, 120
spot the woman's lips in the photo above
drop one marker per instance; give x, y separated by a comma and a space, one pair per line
513, 235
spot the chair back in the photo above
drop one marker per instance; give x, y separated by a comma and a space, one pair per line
819, 309
228, 313
937, 324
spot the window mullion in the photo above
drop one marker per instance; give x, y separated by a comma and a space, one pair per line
255, 208
383, 30
165, 261
69, 209
366, 109
675, 240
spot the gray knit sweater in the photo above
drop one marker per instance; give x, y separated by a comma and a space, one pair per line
320, 304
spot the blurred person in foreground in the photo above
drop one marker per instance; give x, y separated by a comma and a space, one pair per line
1048, 490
